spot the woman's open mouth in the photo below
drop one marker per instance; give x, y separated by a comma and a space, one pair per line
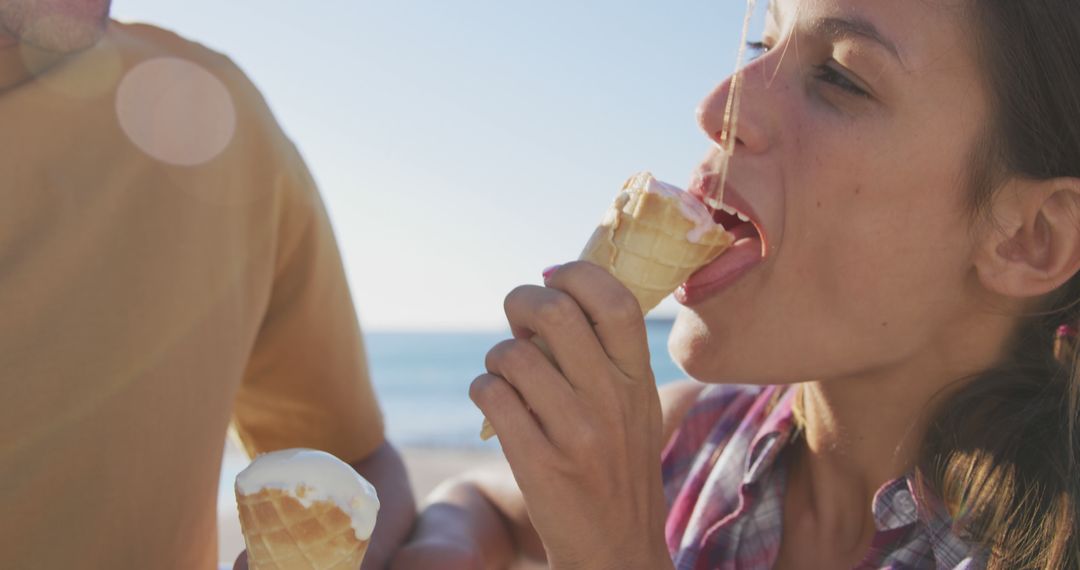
746, 253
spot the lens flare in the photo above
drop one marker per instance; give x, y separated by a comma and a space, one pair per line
175, 111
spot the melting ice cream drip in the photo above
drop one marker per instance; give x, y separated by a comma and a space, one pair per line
690, 206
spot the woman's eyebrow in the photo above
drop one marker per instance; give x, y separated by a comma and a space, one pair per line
840, 28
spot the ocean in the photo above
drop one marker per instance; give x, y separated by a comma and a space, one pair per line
422, 381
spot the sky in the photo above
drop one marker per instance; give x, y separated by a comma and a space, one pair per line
463, 146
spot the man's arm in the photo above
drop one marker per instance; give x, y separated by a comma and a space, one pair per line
307, 382
397, 511
473, 521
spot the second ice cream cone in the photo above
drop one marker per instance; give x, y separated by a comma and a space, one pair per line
303, 509
281, 533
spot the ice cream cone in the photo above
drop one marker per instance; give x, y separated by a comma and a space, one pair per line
281, 533
304, 510
652, 238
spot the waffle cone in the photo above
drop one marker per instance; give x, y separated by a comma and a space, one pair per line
282, 534
643, 241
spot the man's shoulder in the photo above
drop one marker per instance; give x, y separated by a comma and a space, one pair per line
172, 55
139, 43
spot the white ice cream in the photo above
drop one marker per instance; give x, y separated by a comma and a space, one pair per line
310, 475
689, 205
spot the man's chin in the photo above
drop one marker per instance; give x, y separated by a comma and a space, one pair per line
63, 35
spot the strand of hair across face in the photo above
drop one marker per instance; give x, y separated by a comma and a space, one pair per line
729, 127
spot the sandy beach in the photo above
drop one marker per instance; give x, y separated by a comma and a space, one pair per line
427, 468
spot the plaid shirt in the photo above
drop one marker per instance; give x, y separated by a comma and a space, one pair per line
724, 480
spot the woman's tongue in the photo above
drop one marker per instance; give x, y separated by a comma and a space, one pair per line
725, 269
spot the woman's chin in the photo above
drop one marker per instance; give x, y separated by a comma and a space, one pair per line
689, 347
698, 351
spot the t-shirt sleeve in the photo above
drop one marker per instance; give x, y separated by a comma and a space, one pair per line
307, 382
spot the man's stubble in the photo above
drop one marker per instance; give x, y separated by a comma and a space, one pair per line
61, 26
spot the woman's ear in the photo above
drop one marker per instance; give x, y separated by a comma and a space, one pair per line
1031, 246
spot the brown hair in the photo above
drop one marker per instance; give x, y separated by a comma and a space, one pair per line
1003, 452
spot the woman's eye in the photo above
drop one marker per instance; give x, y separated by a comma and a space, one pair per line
833, 77
757, 49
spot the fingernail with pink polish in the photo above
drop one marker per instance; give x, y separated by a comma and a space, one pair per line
547, 272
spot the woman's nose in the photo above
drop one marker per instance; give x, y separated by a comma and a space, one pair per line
751, 133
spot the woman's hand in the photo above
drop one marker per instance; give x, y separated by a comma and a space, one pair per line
583, 434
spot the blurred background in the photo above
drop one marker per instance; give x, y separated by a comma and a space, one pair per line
462, 147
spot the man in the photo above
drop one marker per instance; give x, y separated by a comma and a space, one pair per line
166, 267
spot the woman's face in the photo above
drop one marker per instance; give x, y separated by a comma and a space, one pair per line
854, 139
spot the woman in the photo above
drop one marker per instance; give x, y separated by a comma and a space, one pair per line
912, 169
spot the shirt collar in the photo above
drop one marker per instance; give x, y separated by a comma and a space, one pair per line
896, 505
775, 432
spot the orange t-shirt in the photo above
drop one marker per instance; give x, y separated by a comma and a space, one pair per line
166, 267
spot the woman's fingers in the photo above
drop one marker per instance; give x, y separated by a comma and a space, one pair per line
559, 321
613, 311
513, 421
542, 387
528, 451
